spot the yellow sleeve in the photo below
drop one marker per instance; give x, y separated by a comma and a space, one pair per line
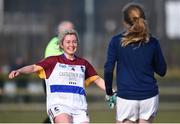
41, 73
90, 80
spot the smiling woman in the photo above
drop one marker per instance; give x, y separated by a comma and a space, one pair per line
69, 45
66, 76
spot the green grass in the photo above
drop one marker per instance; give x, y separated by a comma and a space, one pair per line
168, 117
99, 116
109, 117
22, 116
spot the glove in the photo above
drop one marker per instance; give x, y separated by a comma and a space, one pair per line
111, 100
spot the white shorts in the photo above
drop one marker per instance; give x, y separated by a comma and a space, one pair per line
136, 109
78, 116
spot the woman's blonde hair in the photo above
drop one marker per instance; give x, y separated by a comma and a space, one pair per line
62, 34
138, 30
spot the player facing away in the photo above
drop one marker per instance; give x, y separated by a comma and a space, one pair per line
138, 56
66, 76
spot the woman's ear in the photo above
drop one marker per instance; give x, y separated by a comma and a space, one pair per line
61, 46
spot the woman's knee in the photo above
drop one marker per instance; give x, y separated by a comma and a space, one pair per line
63, 118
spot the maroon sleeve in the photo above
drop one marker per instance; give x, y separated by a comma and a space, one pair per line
90, 71
48, 65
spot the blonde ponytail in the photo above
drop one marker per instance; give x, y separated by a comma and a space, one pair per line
138, 30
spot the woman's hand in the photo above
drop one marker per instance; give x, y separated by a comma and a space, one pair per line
13, 74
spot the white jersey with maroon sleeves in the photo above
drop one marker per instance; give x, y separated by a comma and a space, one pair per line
66, 80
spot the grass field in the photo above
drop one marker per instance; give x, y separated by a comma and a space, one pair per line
168, 113
95, 116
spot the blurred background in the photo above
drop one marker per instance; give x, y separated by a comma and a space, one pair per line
26, 26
